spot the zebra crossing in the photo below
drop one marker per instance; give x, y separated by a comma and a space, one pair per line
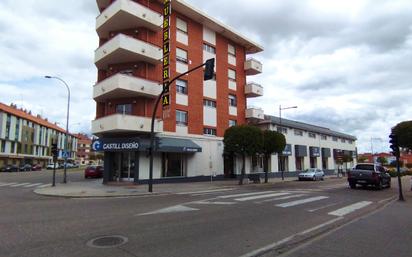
25, 185
311, 202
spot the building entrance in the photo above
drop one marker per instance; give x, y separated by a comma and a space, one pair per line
124, 166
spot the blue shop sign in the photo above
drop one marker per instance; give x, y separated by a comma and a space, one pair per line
115, 144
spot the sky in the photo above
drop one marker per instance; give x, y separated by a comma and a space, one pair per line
345, 64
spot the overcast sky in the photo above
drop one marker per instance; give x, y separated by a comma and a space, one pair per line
345, 64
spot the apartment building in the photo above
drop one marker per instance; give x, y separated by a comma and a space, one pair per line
129, 62
25, 138
307, 146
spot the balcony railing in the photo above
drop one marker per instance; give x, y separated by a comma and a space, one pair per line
121, 85
118, 123
253, 67
124, 14
254, 113
122, 49
253, 89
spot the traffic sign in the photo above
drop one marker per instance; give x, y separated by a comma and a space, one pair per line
65, 154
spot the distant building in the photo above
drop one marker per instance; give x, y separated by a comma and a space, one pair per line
368, 157
25, 138
83, 148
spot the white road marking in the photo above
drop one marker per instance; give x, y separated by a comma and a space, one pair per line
322, 207
269, 247
334, 186
303, 201
46, 185
7, 184
21, 184
260, 196
213, 203
350, 208
173, 209
33, 185
281, 198
245, 194
206, 191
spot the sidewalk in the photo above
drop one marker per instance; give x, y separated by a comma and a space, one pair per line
95, 188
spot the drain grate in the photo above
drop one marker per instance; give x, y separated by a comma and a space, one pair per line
107, 241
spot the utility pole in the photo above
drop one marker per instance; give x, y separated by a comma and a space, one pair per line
281, 130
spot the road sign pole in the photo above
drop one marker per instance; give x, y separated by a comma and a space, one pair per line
54, 175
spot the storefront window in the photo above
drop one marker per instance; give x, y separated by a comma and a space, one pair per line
174, 165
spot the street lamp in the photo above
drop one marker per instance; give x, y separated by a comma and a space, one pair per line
67, 126
280, 126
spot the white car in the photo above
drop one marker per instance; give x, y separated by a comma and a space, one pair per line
50, 166
312, 174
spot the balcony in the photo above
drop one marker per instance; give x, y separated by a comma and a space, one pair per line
124, 14
253, 67
122, 49
254, 113
121, 85
124, 123
253, 89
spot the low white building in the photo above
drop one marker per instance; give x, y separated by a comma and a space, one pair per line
307, 146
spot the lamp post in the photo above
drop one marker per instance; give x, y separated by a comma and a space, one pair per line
67, 125
280, 126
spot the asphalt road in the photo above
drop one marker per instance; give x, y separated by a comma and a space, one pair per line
240, 221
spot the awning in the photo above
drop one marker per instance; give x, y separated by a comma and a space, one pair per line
301, 151
314, 151
326, 152
287, 151
177, 145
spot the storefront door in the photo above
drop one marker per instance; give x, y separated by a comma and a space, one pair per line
124, 165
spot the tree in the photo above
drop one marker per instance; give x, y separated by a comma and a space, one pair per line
273, 142
244, 140
382, 160
404, 132
347, 158
362, 159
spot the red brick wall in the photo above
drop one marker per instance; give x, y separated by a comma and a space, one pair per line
143, 106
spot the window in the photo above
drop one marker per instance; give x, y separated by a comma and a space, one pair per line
16, 135
298, 132
181, 25
312, 135
3, 146
232, 123
350, 142
232, 100
323, 137
181, 55
334, 138
181, 86
231, 50
209, 131
282, 130
181, 118
343, 140
232, 74
124, 108
209, 48
209, 103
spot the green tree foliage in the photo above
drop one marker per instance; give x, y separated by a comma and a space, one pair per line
273, 142
244, 140
362, 159
404, 132
382, 160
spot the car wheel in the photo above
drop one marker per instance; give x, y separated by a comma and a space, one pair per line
352, 185
315, 178
322, 178
389, 184
379, 186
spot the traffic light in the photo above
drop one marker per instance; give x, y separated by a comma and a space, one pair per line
394, 144
54, 150
209, 69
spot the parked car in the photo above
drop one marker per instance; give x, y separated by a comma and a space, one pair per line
36, 167
50, 166
369, 174
25, 167
312, 174
10, 168
93, 172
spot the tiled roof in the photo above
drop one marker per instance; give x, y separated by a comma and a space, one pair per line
24, 115
305, 126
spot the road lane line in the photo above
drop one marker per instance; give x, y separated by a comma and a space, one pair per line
213, 203
259, 197
46, 185
206, 191
323, 207
350, 208
7, 184
281, 198
21, 184
245, 194
303, 201
33, 185
265, 249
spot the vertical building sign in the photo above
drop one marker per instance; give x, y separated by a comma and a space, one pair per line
166, 53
